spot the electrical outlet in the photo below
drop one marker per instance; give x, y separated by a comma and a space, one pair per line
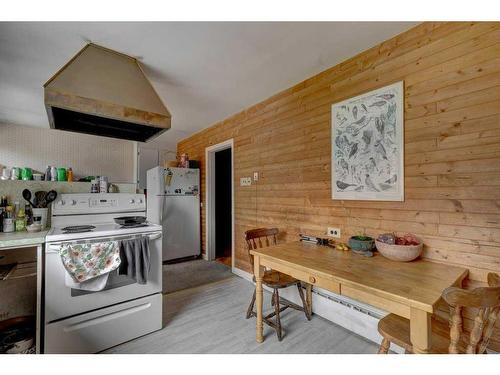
256, 176
245, 181
333, 232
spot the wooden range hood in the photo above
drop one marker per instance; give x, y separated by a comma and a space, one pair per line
104, 92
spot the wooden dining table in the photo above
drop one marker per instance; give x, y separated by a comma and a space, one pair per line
408, 289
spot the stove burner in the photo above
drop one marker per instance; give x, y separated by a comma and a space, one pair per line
78, 229
133, 226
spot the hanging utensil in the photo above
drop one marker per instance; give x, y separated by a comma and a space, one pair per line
27, 197
50, 197
40, 198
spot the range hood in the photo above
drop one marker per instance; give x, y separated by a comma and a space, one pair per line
104, 92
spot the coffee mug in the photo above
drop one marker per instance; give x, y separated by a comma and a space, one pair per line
6, 173
61, 174
26, 174
15, 175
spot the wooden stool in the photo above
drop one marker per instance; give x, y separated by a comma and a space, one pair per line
259, 238
448, 337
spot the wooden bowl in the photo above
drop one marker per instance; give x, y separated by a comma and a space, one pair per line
399, 253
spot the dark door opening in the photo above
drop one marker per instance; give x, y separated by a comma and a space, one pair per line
223, 209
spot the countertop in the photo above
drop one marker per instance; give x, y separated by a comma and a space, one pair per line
21, 239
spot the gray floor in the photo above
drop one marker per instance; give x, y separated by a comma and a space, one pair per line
210, 319
189, 274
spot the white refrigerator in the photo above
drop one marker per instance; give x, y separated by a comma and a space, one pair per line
173, 201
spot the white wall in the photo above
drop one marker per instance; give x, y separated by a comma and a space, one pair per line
163, 154
167, 155
87, 155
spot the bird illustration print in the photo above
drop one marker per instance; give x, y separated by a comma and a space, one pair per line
367, 144
369, 183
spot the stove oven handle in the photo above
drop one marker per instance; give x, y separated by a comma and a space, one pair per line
155, 236
51, 249
54, 248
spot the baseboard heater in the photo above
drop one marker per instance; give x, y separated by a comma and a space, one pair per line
374, 313
355, 316
350, 314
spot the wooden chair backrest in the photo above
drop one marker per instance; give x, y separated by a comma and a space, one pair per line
259, 238
487, 302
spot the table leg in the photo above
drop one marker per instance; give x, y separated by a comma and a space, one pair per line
309, 298
420, 330
258, 297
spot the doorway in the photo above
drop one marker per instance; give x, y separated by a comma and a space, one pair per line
220, 203
223, 235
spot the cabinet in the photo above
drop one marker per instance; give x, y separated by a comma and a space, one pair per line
21, 259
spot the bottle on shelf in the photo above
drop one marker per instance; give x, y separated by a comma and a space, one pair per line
94, 187
29, 214
3, 213
8, 221
69, 175
53, 174
20, 220
48, 172
16, 208
103, 184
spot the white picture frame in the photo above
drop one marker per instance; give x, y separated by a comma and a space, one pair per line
368, 146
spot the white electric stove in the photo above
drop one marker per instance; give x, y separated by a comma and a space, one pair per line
79, 230
79, 321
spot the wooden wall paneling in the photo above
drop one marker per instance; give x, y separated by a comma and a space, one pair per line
452, 149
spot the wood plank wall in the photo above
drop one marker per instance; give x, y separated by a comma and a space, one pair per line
451, 73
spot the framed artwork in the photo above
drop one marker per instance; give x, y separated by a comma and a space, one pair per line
368, 146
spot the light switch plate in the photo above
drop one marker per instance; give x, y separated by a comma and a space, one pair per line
256, 176
245, 181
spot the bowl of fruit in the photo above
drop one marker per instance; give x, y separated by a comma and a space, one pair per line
401, 249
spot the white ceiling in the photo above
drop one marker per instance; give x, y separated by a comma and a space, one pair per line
203, 71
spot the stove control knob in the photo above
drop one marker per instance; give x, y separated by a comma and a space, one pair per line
132, 201
73, 202
61, 203
140, 201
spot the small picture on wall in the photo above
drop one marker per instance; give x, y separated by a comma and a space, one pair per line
368, 146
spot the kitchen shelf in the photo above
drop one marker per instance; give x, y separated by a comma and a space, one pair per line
17, 271
6, 270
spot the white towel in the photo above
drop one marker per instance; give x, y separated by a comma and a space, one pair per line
95, 284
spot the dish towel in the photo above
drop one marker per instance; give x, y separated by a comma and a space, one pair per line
135, 259
89, 261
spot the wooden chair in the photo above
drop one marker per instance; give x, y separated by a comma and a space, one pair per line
449, 338
263, 237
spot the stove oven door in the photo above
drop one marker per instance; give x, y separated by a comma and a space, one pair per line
62, 301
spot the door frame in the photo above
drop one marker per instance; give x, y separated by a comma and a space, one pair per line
210, 198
